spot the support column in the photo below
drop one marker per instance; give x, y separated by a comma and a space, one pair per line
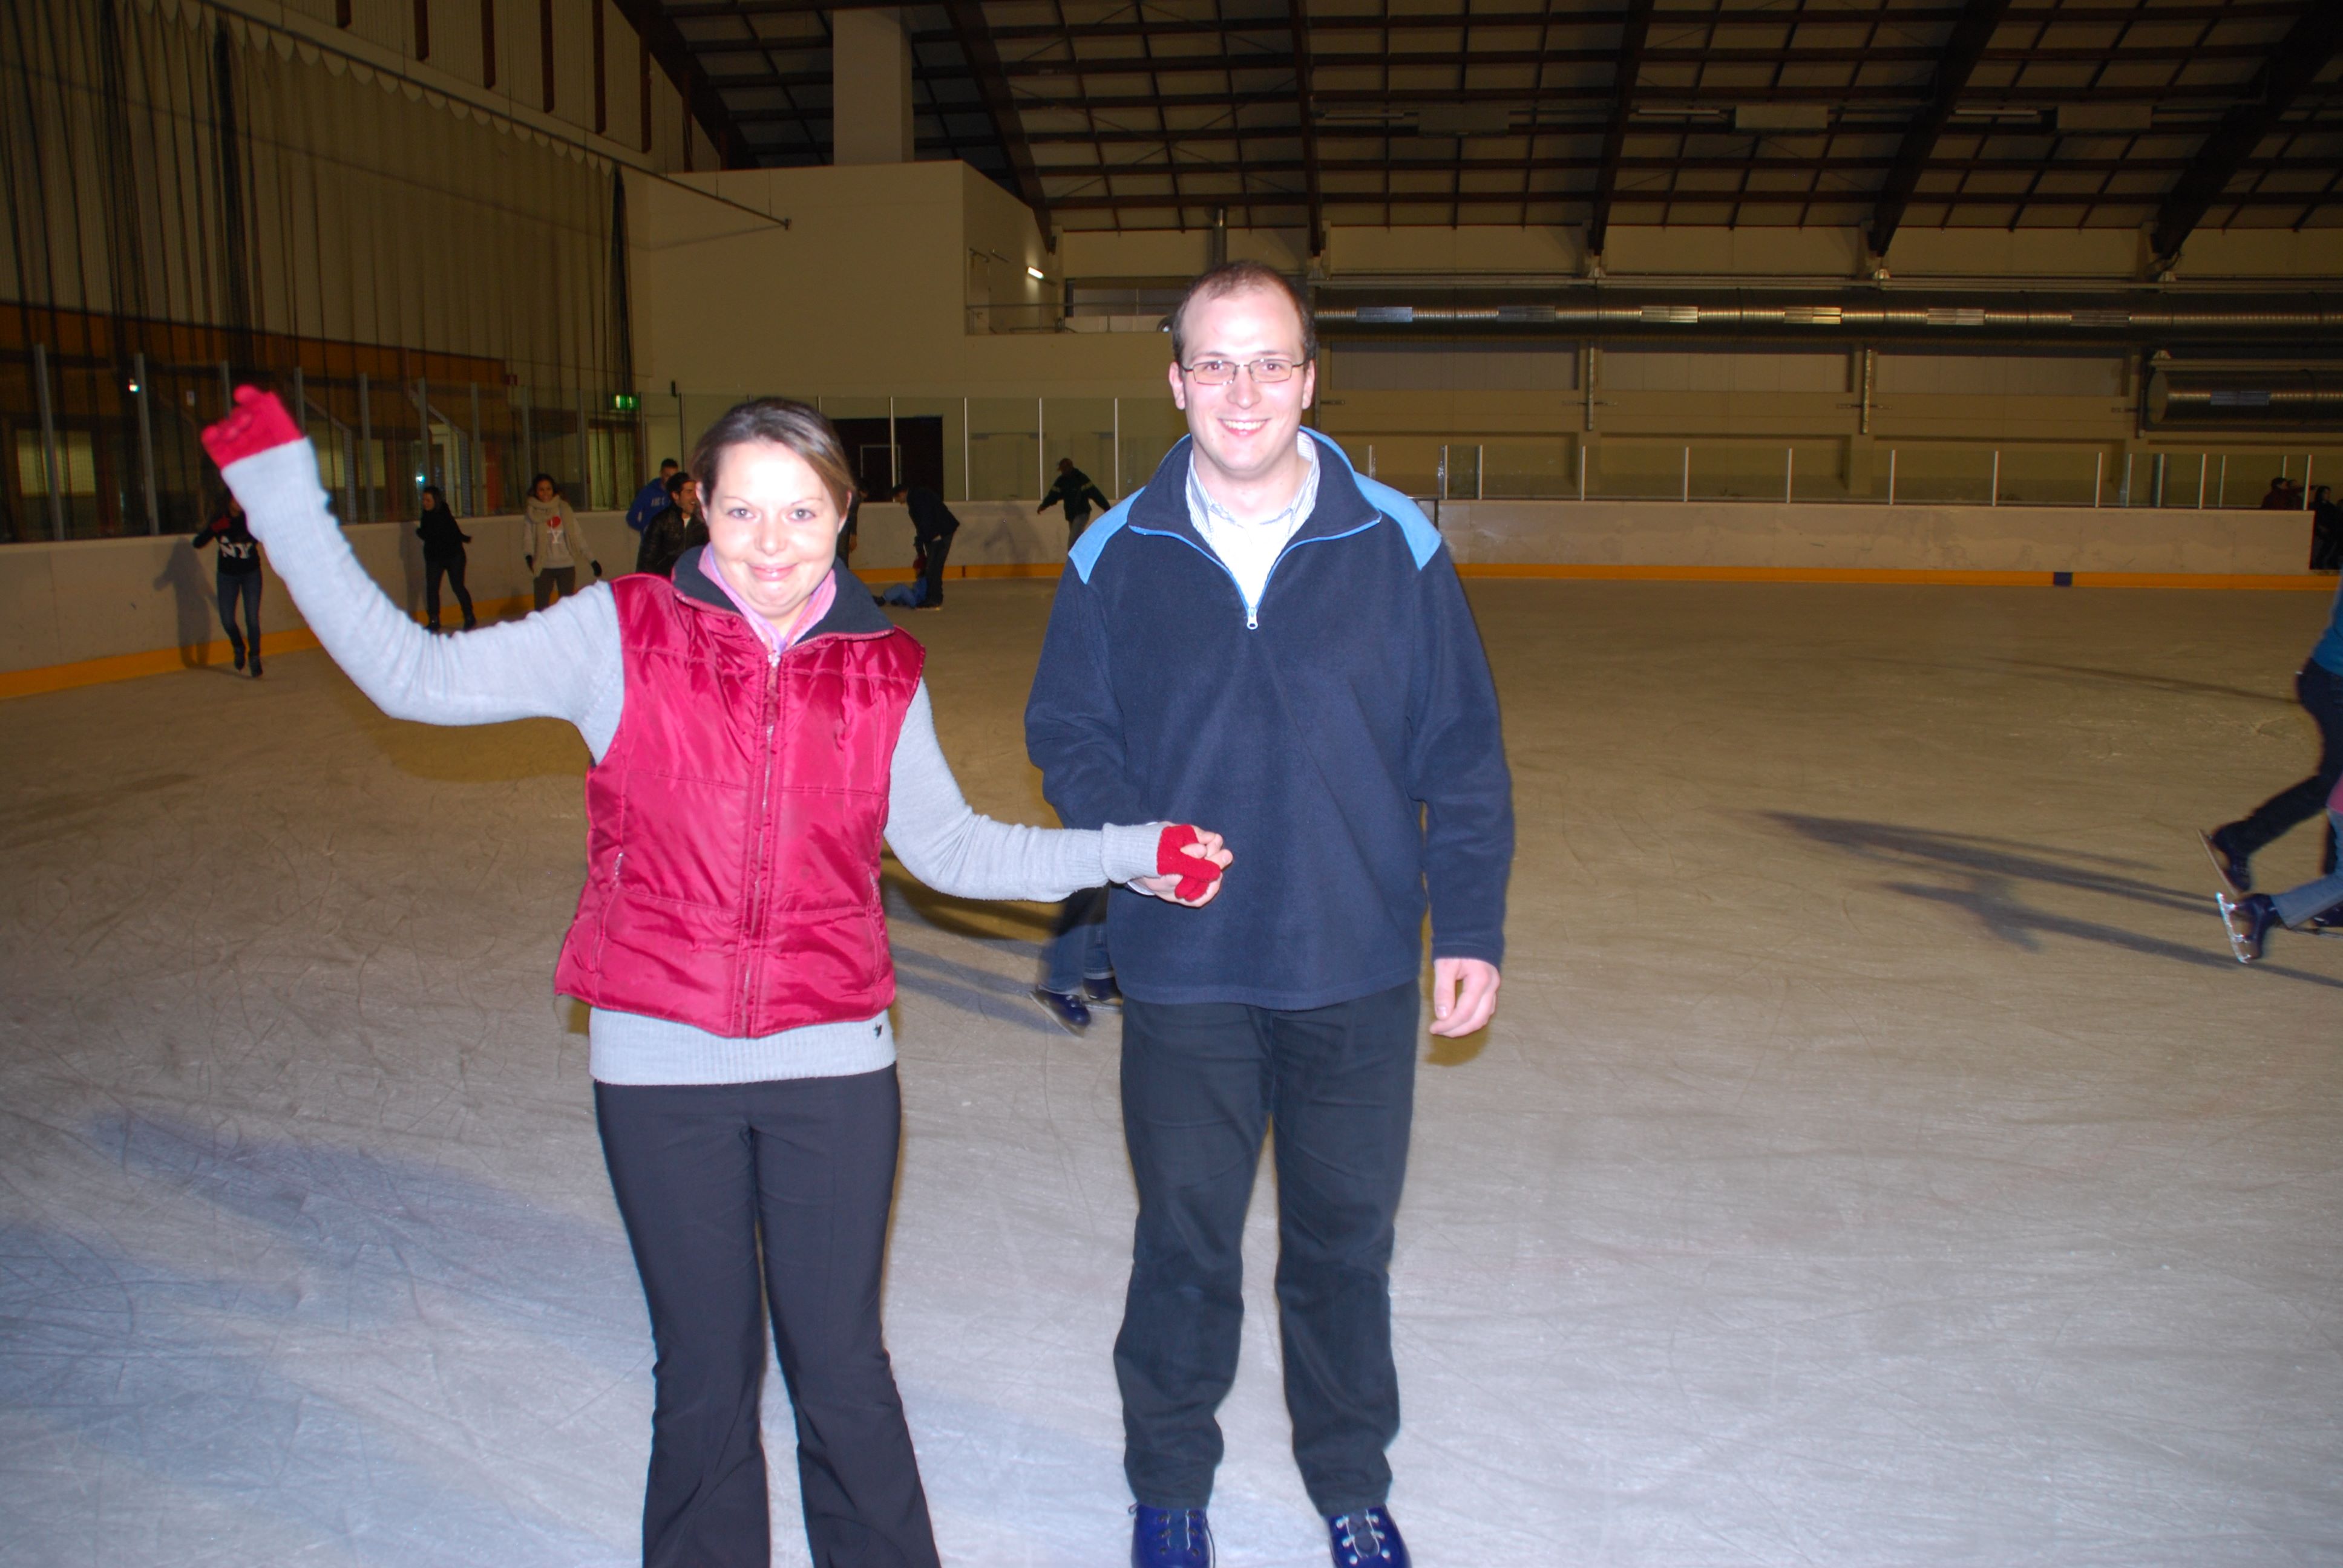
870, 88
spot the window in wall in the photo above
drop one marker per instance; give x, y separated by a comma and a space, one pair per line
77, 458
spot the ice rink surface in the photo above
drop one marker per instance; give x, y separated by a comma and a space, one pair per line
1877, 1159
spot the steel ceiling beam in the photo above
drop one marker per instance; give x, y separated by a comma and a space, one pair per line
974, 37
2297, 61
668, 46
673, 55
1961, 54
1298, 15
1634, 30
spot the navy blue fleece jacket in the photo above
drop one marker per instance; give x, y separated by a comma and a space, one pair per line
1342, 734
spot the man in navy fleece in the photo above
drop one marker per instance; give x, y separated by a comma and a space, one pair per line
1262, 639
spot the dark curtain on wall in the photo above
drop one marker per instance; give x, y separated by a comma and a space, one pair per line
191, 199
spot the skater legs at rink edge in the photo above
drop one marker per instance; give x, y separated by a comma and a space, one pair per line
2319, 689
1262, 638
744, 1064
2248, 921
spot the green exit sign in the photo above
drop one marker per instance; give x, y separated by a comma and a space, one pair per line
625, 402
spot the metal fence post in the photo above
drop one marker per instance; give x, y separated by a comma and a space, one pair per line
1480, 471
1994, 482
1891, 476
145, 441
366, 453
967, 480
1040, 450
472, 458
1789, 472
2204, 461
1118, 449
55, 481
1687, 476
2099, 475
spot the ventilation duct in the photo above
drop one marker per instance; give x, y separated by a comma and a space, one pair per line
2246, 397
2301, 320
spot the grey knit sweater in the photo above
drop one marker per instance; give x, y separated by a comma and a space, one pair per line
566, 662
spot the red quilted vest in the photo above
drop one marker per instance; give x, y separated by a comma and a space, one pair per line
734, 826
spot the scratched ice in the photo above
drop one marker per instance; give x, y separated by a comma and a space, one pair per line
1878, 1158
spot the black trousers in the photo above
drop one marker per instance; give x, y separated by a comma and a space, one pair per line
936, 550
803, 1171
2321, 692
548, 580
451, 568
240, 588
1201, 1081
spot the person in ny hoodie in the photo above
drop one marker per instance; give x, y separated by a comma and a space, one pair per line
552, 543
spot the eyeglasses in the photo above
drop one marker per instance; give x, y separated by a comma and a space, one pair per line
1265, 372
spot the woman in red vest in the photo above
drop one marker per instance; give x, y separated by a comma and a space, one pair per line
758, 731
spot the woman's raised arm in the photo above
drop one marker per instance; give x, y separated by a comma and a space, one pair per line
561, 663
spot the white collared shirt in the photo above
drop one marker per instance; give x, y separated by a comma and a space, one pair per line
1250, 549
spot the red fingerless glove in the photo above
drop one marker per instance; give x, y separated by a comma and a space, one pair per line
1195, 874
258, 423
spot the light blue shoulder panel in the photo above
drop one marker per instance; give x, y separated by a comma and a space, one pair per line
1423, 538
1085, 553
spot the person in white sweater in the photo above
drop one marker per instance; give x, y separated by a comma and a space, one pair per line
757, 727
552, 542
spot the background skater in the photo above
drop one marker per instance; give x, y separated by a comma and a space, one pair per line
2319, 687
1075, 492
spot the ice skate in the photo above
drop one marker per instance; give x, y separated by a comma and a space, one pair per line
2248, 922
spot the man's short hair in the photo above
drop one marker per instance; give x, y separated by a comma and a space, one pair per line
1236, 278
666, 463
677, 482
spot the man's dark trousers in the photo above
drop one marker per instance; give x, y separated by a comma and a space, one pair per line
2321, 692
1201, 1083
936, 550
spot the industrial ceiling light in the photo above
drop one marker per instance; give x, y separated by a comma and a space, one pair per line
1035, 273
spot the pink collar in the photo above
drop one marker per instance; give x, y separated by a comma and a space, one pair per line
809, 613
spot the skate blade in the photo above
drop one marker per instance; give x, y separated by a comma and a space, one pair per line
2220, 867
2238, 946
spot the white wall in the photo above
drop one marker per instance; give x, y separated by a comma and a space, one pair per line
1774, 537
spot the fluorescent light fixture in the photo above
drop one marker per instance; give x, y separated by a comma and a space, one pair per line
1035, 273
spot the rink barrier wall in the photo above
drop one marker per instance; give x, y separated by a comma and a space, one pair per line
87, 611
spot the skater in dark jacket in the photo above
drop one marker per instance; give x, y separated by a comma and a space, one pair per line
2319, 687
1075, 492
238, 579
443, 556
678, 527
2325, 531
